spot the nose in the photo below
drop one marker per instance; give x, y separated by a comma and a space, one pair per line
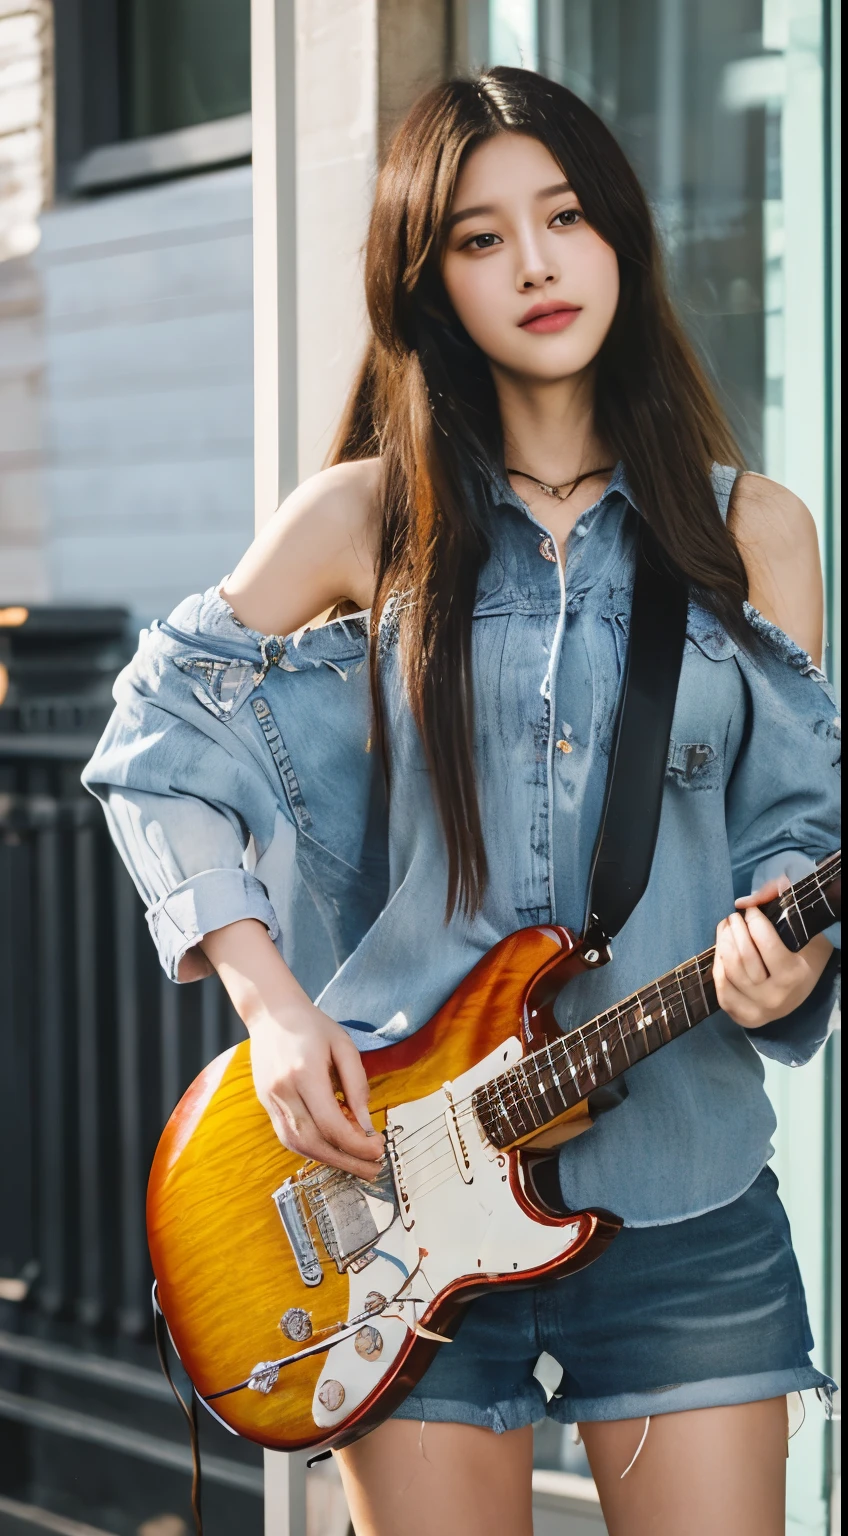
535, 267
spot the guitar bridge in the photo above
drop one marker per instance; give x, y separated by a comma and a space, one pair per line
339, 1205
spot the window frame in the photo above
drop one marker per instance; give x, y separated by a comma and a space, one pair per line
91, 155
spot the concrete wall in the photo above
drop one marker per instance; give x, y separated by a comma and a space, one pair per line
126, 390
23, 561
130, 478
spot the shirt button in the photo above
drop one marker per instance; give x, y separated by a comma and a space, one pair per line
563, 746
547, 549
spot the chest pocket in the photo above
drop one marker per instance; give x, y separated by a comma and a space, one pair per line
709, 696
220, 685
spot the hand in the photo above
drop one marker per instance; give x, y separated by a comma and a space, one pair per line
294, 1052
757, 979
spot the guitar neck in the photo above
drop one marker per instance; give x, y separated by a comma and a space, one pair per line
535, 1092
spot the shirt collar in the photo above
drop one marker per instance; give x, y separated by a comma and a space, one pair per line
619, 485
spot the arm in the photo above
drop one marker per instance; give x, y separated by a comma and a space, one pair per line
319, 547
314, 551
296, 1053
187, 800
757, 979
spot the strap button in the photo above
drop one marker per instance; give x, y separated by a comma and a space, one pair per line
547, 549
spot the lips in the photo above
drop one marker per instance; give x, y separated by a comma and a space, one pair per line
549, 317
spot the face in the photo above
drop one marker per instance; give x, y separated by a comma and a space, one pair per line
535, 287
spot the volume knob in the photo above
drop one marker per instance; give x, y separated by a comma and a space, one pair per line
296, 1325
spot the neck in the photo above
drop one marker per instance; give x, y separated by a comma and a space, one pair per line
549, 426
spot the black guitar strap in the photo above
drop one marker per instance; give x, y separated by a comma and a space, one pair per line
630, 818
624, 851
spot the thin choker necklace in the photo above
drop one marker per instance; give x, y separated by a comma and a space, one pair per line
554, 490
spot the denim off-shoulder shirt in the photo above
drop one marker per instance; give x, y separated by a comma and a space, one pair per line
239, 781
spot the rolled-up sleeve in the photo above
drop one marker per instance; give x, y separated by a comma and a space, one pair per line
783, 805
162, 839
188, 807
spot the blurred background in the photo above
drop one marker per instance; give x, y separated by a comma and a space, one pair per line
134, 324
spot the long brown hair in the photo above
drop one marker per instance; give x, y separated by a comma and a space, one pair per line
425, 401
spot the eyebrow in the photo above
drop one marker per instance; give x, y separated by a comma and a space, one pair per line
483, 208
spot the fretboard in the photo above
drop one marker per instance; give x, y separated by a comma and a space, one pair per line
538, 1089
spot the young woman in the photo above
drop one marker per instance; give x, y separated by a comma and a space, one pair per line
527, 397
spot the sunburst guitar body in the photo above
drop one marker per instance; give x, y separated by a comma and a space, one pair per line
305, 1303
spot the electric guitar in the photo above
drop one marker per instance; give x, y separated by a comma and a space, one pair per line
306, 1303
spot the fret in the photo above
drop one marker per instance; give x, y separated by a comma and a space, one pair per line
513, 1102
823, 894
572, 1069
502, 1109
527, 1092
801, 917
556, 1080
669, 1024
705, 1004
623, 1038
651, 1013
683, 1000
541, 1082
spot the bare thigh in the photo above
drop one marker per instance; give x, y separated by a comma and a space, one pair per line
709, 1470
405, 1479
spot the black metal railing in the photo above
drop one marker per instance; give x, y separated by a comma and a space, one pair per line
96, 1047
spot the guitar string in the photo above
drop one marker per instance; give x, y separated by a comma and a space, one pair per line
514, 1103
518, 1103
558, 1052
597, 1027
433, 1178
691, 970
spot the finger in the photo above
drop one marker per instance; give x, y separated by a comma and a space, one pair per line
305, 1139
751, 960
742, 1009
779, 960
765, 893
728, 957
287, 1115
335, 1127
352, 1076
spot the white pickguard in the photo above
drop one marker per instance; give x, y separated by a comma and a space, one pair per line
461, 1221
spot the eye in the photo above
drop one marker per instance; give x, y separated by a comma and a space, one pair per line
569, 216
481, 242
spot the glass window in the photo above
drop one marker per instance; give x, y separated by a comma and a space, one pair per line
697, 95
693, 94
185, 62
721, 106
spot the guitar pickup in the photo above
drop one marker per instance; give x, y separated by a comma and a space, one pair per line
288, 1202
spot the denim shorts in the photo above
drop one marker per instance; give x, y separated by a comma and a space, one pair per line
698, 1314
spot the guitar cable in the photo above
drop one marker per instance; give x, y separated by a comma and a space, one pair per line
189, 1410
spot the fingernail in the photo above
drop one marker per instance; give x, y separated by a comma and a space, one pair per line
369, 1130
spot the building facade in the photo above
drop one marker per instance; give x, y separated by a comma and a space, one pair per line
133, 454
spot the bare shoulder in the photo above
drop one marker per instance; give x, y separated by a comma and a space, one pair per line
777, 539
318, 548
